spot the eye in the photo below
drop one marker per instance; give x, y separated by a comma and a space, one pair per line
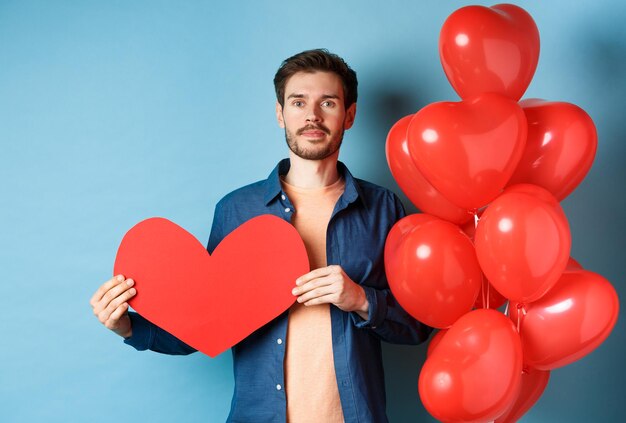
298, 103
328, 103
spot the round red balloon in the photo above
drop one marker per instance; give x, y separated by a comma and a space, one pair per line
421, 193
534, 382
474, 373
401, 228
541, 194
537, 192
468, 150
523, 244
569, 322
489, 49
560, 147
432, 269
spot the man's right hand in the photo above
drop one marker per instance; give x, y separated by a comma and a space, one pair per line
110, 305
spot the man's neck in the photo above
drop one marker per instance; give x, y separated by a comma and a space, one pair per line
312, 173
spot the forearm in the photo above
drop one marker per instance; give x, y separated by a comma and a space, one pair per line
363, 310
389, 321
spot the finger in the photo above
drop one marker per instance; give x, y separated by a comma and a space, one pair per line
112, 294
116, 315
314, 274
105, 313
315, 283
324, 299
316, 293
97, 296
125, 296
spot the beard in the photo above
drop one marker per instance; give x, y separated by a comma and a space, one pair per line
317, 152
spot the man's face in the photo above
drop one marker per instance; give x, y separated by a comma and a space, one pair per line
314, 116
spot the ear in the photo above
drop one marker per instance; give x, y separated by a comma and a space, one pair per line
279, 115
350, 115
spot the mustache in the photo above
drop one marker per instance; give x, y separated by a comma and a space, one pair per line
313, 128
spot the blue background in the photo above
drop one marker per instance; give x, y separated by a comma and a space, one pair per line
111, 112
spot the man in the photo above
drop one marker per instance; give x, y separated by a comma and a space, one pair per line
321, 360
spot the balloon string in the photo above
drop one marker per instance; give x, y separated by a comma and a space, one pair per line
482, 291
521, 312
484, 284
487, 294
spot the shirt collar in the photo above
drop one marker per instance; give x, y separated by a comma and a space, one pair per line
273, 188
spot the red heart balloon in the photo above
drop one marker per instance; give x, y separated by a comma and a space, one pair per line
421, 193
432, 269
212, 302
569, 322
560, 147
468, 150
489, 49
474, 372
534, 382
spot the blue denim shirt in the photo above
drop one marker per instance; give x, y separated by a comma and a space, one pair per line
355, 240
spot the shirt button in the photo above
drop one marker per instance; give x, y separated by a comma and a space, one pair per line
279, 341
283, 197
287, 210
278, 387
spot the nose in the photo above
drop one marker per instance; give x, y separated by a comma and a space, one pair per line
314, 113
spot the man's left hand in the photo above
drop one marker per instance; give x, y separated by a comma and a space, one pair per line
331, 285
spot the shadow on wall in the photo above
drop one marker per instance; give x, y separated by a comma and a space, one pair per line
601, 197
389, 96
402, 368
605, 65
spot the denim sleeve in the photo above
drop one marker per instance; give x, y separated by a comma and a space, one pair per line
217, 229
148, 336
388, 321
386, 318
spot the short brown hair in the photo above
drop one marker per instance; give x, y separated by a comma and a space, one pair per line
312, 61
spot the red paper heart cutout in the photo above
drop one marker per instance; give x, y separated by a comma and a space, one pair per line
489, 49
560, 147
468, 150
211, 302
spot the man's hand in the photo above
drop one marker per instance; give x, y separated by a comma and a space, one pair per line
331, 285
110, 305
